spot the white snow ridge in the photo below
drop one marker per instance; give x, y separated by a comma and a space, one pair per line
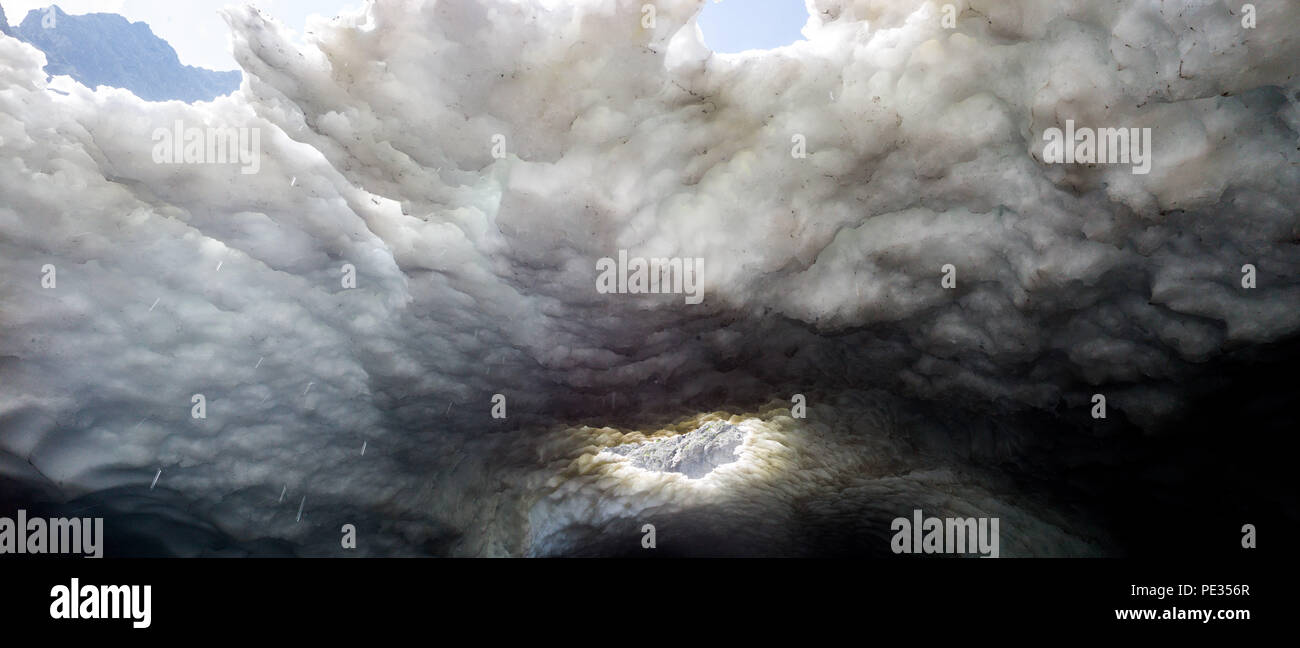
437, 180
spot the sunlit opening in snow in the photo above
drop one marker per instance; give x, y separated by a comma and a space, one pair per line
734, 26
694, 454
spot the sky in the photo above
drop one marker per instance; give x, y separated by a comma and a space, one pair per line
739, 25
198, 34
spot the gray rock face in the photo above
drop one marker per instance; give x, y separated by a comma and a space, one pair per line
106, 49
694, 454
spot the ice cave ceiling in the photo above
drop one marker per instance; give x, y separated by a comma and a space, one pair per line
472, 160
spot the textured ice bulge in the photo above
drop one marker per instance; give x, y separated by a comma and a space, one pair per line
475, 274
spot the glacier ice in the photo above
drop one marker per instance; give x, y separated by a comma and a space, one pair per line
474, 274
